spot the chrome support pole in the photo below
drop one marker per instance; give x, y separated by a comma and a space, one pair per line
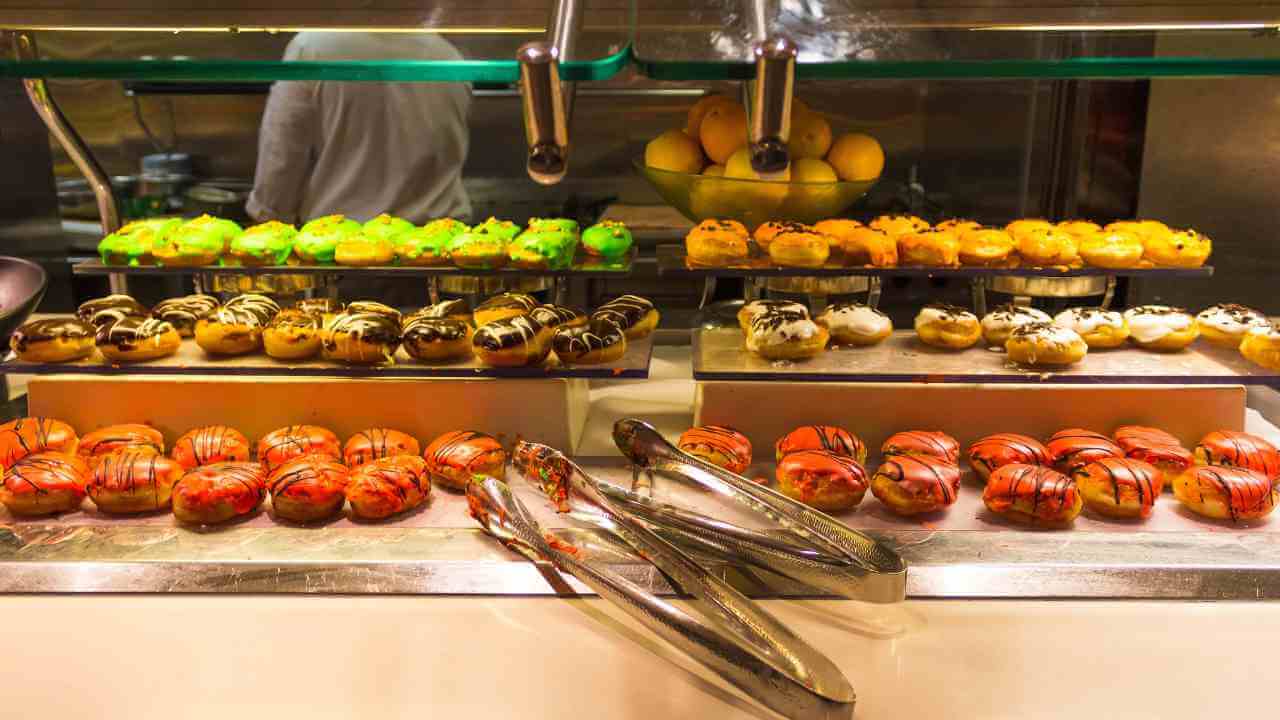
769, 128
874, 286
978, 291
546, 101
1109, 296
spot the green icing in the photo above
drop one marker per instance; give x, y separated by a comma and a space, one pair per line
555, 246
504, 229
207, 226
136, 239
453, 226
271, 242
433, 239
387, 227
477, 245
562, 224
320, 237
610, 239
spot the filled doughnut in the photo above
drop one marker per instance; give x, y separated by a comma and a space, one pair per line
1119, 487
986, 247
388, 486
717, 243
607, 239
292, 335
456, 456
786, 336
543, 250
210, 444
109, 309
1033, 495
821, 479
855, 324
1079, 228
836, 230
53, 340
361, 337
1261, 346
29, 435
868, 246
765, 232
1045, 344
1182, 249
375, 443
133, 480
931, 248
1048, 247
317, 240
44, 483
231, 330
750, 311
280, 446
308, 488
136, 339
913, 484
947, 326
895, 225
1097, 327
1114, 249
558, 316
998, 324
261, 305
719, 445
635, 316
478, 250
386, 226
958, 226
268, 243
428, 245
1226, 493
219, 492
375, 308
1226, 325
799, 248
1155, 447
196, 242
598, 342
502, 307
436, 339
923, 443
1074, 448
116, 437
1231, 449
821, 437
513, 342
183, 312
135, 243
995, 451
1018, 228
1161, 328
504, 229
451, 309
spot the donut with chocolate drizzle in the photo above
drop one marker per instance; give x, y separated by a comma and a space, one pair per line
1033, 495
30, 435
110, 309
1154, 446
719, 445
388, 486
822, 479
219, 492
44, 483
589, 344
1119, 487
556, 316
53, 340
632, 314
995, 451
929, 443
376, 443
210, 444
308, 488
114, 437
513, 342
913, 484
361, 337
1238, 449
133, 479
280, 446
183, 312
261, 306
1226, 493
456, 456
1071, 449
822, 437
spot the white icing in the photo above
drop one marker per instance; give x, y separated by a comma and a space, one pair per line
1053, 334
1088, 320
1006, 319
1149, 323
756, 308
929, 315
1236, 322
775, 331
1268, 331
856, 319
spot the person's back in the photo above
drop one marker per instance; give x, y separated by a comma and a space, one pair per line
363, 148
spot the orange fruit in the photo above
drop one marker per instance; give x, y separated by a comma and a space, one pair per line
723, 130
739, 166
699, 111
810, 135
714, 170
812, 170
675, 151
856, 156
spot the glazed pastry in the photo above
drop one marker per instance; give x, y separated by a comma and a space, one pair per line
932, 248
478, 250
1071, 449
1080, 228
1142, 228
598, 342
913, 484
607, 239
117, 437
558, 316
823, 480
786, 336
451, 309
1119, 487
26, 436
986, 247
308, 488
1226, 325
388, 486
719, 445
135, 339
361, 250
543, 250
1048, 247
1114, 249
514, 342
53, 340
280, 446
326, 308
429, 244
947, 326
133, 480
457, 456
1261, 346
44, 483
923, 443
210, 444
292, 335
375, 443
821, 437
135, 243
375, 308
958, 227
231, 330
1033, 495
1226, 493
196, 242
868, 246
565, 225
635, 316
436, 339
995, 451
1155, 447
219, 492
754, 309
1161, 328
261, 305
1182, 249
855, 324
183, 312
317, 241
269, 243
895, 225
1018, 228
717, 243
1232, 449
799, 249
998, 324
767, 231
386, 227
109, 309
1097, 327
1045, 344
504, 229
502, 307
361, 337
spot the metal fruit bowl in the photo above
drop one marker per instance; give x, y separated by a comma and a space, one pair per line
22, 286
752, 202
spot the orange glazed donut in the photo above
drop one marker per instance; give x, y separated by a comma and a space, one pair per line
280, 446
995, 451
456, 456
219, 492
1033, 495
1237, 449
1226, 493
822, 479
911, 484
1119, 487
133, 479
308, 487
210, 444
387, 486
27, 436
923, 443
1074, 448
822, 437
44, 483
1156, 447
718, 445
113, 437
376, 443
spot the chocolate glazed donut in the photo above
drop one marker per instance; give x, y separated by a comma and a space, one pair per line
114, 307
911, 484
586, 345
183, 312
513, 342
361, 337
555, 316
137, 338
262, 307
634, 315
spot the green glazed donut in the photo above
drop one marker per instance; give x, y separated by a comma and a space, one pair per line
610, 239
387, 227
200, 241
429, 244
270, 243
135, 243
318, 239
543, 250
504, 229
478, 250
562, 224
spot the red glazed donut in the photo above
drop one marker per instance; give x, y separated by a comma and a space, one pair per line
922, 443
454, 457
1032, 495
822, 479
308, 487
387, 486
822, 437
995, 451
1237, 449
1119, 487
1156, 447
1226, 493
280, 446
30, 435
113, 437
718, 445
911, 484
1072, 449
44, 483
133, 479
210, 444
377, 443
219, 492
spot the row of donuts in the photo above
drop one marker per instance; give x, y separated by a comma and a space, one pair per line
208, 477
507, 329
1230, 475
906, 240
545, 244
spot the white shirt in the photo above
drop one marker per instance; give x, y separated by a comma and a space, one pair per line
363, 148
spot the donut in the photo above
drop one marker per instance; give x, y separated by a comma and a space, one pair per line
136, 339
717, 243
29, 435
608, 239
821, 437
109, 309
219, 492
53, 340
931, 248
1182, 249
183, 312
376, 443
268, 243
786, 336
1261, 346
557, 316
1048, 247
1017, 228
230, 331
1231, 449
436, 339
823, 480
308, 488
756, 308
502, 307
947, 326
133, 480
765, 232
805, 249
116, 437
363, 250
478, 250
922, 443
451, 309
456, 456
260, 305
388, 486
1080, 228
998, 324
386, 227
135, 243
598, 342
1115, 249
1226, 493
995, 451
1118, 487
913, 484
958, 226
719, 445
1045, 344
375, 308
514, 342
361, 337
543, 250
985, 247
196, 242
317, 240
1161, 328
1074, 448
868, 246
1226, 325
1155, 447
1033, 495
209, 445
504, 229
280, 446
1098, 328
326, 308
44, 483
895, 225
837, 231
855, 324
292, 335
635, 316
428, 245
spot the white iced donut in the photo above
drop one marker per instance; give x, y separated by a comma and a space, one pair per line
786, 336
1099, 328
855, 324
947, 326
997, 324
1226, 324
1045, 344
1160, 327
